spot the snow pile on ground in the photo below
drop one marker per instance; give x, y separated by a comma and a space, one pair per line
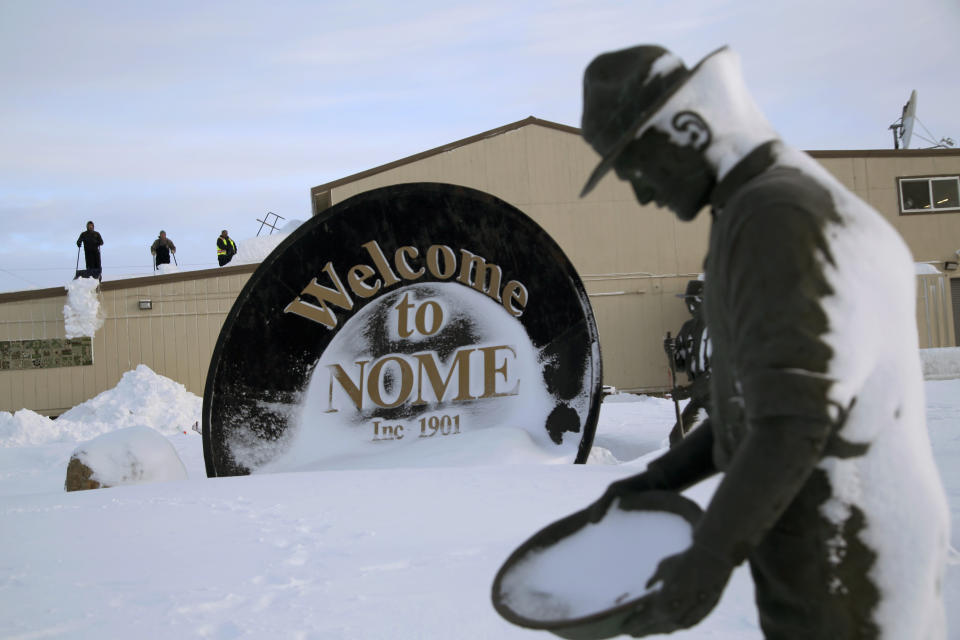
141, 398
26, 427
134, 455
81, 314
940, 364
254, 250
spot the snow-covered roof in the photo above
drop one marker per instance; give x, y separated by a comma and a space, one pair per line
925, 269
250, 253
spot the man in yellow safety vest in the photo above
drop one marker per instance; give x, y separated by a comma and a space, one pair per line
226, 248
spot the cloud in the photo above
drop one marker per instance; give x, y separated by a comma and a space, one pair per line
200, 115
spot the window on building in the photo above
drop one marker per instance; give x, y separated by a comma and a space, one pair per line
929, 195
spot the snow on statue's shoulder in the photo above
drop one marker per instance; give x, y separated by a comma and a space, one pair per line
134, 455
81, 314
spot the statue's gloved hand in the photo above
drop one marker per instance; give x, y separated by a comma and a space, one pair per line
638, 483
684, 465
691, 584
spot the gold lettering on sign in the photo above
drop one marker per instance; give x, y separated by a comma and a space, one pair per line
356, 278
380, 260
354, 391
514, 292
365, 281
406, 382
467, 264
490, 371
443, 424
403, 308
403, 267
321, 314
436, 317
434, 425
428, 363
425, 372
449, 261
383, 432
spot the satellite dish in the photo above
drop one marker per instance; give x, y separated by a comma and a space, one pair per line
907, 119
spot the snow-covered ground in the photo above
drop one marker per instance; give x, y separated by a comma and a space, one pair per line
381, 553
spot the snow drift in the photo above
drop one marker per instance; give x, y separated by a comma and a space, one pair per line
141, 399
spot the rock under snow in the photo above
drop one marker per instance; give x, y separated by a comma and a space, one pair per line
81, 314
134, 455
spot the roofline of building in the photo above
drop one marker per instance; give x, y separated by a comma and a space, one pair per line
883, 153
828, 153
442, 149
132, 283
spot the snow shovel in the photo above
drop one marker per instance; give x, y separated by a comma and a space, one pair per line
670, 346
86, 273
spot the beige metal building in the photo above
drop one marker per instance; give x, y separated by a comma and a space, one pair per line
633, 260
168, 322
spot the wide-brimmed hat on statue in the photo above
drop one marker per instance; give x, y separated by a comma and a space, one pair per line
622, 90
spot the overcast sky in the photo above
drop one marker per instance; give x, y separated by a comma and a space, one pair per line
194, 116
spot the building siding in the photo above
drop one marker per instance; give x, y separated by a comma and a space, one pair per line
176, 338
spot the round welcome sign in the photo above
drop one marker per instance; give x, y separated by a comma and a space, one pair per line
417, 324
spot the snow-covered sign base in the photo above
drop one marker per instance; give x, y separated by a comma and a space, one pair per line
418, 324
579, 578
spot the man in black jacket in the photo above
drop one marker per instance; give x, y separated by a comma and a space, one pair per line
91, 242
816, 411
161, 249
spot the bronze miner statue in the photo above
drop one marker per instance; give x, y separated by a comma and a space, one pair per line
689, 352
816, 412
